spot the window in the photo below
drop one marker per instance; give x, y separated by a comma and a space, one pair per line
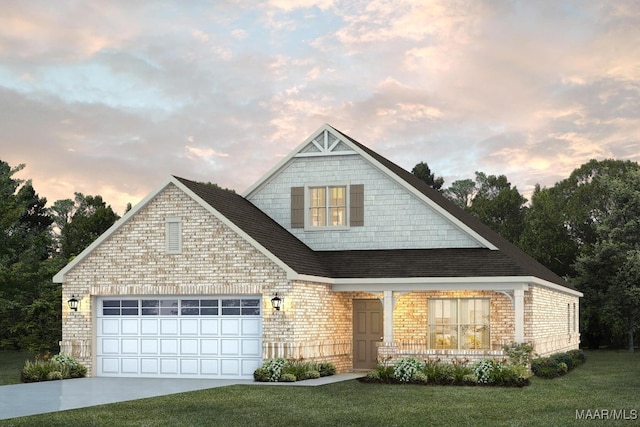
182, 307
120, 307
173, 235
459, 324
328, 206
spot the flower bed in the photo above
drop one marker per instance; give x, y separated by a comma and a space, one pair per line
290, 370
48, 368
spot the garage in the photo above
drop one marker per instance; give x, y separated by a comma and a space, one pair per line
179, 337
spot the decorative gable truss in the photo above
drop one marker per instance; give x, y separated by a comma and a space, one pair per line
325, 143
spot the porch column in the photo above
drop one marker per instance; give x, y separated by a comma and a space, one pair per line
387, 309
518, 307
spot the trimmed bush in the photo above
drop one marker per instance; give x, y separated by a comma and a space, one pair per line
47, 368
273, 370
288, 378
326, 369
405, 368
557, 364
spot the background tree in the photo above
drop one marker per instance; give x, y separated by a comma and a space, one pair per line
499, 206
461, 192
90, 217
422, 171
609, 270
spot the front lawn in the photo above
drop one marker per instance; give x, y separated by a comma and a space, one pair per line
608, 380
11, 363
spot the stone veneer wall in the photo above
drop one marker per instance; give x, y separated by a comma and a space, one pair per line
551, 320
133, 261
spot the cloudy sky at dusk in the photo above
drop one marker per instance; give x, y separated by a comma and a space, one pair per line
112, 97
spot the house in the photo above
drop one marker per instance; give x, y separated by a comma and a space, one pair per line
365, 260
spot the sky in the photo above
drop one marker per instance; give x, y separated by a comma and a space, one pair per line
110, 98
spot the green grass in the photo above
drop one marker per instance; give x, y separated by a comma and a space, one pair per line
11, 364
609, 380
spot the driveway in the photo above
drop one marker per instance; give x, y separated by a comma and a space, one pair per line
20, 400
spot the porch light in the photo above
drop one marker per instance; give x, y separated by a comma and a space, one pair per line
276, 302
73, 303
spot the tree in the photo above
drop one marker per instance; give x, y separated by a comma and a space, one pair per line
90, 218
499, 206
461, 192
422, 171
545, 235
609, 271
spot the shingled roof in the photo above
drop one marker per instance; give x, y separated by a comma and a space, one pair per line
508, 260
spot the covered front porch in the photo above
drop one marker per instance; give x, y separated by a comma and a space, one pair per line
447, 318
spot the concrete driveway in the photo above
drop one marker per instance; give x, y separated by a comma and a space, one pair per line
20, 400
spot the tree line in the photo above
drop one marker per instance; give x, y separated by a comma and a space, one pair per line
586, 229
36, 241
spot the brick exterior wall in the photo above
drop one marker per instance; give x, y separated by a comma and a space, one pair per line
133, 261
551, 320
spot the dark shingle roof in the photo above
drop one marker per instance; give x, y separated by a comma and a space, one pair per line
509, 260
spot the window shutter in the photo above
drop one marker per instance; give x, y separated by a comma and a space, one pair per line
173, 237
357, 205
297, 207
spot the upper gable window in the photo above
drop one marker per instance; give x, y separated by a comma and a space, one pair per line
173, 235
328, 206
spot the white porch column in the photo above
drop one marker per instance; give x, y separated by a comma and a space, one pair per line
518, 307
387, 308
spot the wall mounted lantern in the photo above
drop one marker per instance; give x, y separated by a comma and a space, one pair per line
276, 302
73, 303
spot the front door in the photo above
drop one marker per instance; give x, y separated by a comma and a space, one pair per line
367, 332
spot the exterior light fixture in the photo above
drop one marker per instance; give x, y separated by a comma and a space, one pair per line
73, 303
276, 302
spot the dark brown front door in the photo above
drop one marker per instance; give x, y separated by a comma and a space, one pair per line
367, 332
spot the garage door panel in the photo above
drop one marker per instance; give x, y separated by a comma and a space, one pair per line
109, 327
149, 326
169, 366
129, 346
208, 337
209, 347
189, 366
230, 327
189, 347
209, 327
129, 366
149, 366
129, 327
229, 347
168, 327
251, 327
230, 367
168, 346
148, 346
110, 346
251, 348
189, 326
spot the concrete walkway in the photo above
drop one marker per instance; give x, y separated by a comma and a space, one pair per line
21, 400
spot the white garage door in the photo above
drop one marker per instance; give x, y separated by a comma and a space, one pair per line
189, 337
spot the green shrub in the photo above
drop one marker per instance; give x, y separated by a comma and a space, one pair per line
419, 378
470, 379
461, 368
326, 369
545, 367
381, 374
262, 375
288, 378
487, 371
445, 374
405, 368
518, 353
275, 367
431, 369
563, 358
298, 367
577, 357
54, 375
47, 368
309, 375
